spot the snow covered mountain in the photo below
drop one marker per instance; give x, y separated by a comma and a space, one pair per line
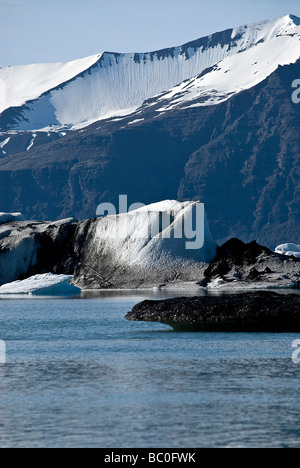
204, 72
243, 70
216, 112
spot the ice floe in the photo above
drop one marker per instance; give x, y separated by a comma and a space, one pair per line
45, 285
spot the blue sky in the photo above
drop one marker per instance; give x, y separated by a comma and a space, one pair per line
60, 30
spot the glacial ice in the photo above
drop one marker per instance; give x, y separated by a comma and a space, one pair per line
27, 82
10, 217
150, 245
289, 250
45, 285
137, 238
147, 246
21, 244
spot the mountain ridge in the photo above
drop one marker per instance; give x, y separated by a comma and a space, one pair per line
116, 84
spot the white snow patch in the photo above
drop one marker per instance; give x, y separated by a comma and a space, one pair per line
21, 84
135, 121
47, 284
31, 142
234, 74
4, 143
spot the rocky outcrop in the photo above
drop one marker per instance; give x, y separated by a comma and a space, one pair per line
240, 265
248, 312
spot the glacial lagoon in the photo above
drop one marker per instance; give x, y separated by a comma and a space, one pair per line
77, 374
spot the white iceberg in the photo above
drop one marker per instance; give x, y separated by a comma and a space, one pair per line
44, 285
11, 217
164, 242
156, 234
289, 250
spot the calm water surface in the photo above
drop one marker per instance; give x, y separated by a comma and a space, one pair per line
79, 375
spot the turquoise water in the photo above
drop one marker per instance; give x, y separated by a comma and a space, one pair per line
79, 375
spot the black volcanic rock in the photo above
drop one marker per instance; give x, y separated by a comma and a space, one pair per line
248, 312
235, 254
240, 263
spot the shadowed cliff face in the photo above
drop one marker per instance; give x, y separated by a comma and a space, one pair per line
241, 158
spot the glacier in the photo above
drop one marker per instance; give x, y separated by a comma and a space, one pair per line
76, 94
